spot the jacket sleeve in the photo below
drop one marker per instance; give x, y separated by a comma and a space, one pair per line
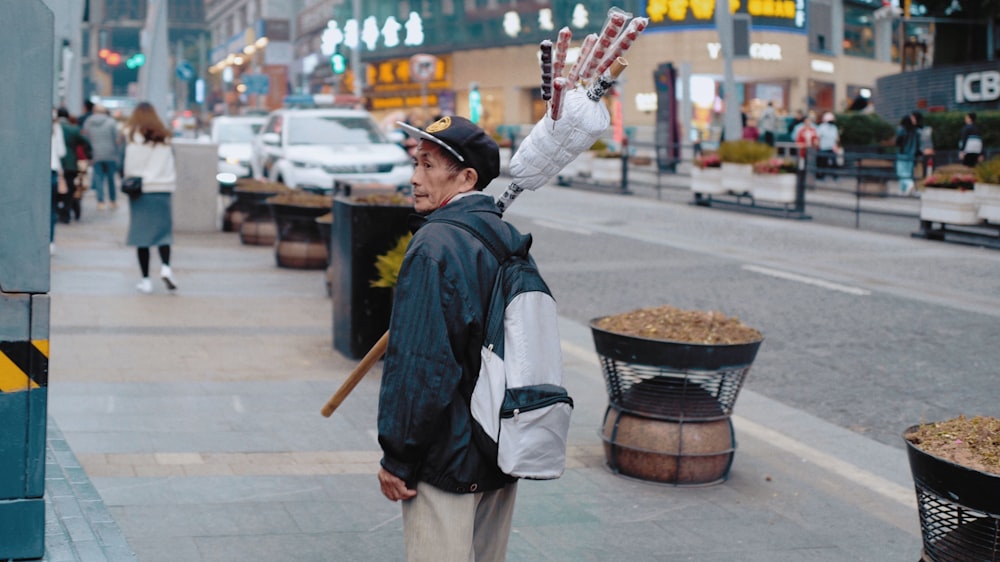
422, 371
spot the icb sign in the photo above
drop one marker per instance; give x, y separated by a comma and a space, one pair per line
977, 86
423, 68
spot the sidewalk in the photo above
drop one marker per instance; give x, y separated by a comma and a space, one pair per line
195, 418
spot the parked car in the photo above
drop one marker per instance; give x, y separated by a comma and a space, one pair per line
234, 136
313, 148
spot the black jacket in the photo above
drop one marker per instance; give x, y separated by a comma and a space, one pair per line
432, 363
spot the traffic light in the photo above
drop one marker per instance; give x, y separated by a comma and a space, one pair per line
135, 61
339, 63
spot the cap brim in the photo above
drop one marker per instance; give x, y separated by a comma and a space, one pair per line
413, 131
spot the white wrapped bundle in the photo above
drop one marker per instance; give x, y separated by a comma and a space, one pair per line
552, 145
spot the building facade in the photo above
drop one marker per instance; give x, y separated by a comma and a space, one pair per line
805, 55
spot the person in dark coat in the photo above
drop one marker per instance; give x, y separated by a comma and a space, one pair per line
970, 142
77, 148
457, 504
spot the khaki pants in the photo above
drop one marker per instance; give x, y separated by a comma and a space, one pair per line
440, 526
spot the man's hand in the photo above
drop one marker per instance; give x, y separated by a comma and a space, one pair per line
393, 487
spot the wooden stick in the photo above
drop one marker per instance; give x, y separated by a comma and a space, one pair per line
359, 372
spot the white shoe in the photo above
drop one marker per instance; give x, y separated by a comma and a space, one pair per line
168, 277
145, 286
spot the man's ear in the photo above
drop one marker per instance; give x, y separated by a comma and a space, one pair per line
469, 178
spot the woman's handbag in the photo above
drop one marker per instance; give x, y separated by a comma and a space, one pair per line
132, 186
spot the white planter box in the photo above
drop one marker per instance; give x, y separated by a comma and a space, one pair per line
779, 188
988, 199
607, 170
737, 178
706, 180
952, 206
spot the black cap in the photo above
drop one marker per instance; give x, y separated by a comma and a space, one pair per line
466, 141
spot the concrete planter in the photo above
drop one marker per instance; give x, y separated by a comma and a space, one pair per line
707, 181
952, 206
988, 199
779, 188
606, 170
737, 178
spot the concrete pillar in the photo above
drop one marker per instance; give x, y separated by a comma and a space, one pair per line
24, 272
196, 201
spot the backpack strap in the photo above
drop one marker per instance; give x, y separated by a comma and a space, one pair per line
478, 227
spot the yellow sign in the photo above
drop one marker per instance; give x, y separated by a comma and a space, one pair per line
780, 13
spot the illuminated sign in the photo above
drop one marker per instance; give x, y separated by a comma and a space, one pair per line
789, 14
758, 51
394, 76
824, 66
977, 86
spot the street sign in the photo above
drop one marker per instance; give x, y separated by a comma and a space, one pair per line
257, 83
184, 71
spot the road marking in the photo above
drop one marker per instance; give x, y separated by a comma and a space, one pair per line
807, 280
563, 227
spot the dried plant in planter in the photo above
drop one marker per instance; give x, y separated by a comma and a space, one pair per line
971, 442
673, 324
386, 199
301, 199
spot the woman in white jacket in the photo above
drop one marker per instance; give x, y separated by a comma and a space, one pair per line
58, 184
148, 155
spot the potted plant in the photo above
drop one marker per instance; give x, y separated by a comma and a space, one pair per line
300, 242
672, 377
257, 227
706, 175
363, 228
775, 179
987, 189
955, 466
738, 158
948, 196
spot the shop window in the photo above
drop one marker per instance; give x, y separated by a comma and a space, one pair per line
859, 32
820, 27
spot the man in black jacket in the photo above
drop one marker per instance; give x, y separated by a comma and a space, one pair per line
457, 505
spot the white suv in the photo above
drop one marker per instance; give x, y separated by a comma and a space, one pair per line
312, 148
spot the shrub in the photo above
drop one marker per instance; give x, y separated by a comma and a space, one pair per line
744, 151
708, 160
989, 171
864, 129
951, 180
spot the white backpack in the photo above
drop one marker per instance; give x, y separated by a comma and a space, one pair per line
519, 404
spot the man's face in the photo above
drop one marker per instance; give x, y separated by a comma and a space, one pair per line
434, 181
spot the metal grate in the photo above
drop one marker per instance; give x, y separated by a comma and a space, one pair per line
663, 393
952, 532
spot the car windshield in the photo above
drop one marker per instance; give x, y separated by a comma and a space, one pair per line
310, 129
237, 132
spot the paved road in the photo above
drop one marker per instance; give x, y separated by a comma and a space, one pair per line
870, 331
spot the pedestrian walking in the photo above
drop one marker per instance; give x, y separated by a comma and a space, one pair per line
908, 145
457, 504
970, 141
57, 149
102, 131
77, 150
750, 131
926, 143
149, 155
828, 144
769, 123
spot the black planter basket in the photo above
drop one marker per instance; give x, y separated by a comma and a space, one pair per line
672, 380
959, 508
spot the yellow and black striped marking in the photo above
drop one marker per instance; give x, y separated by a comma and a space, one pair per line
24, 365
